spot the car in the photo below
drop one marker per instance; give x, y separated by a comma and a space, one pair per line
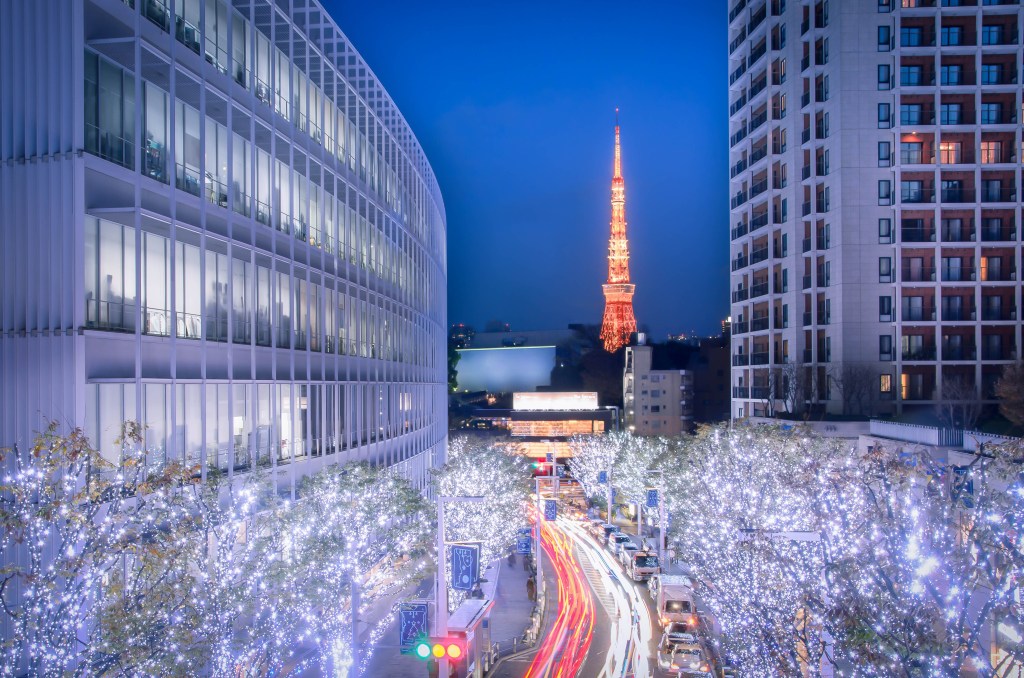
607, 529
626, 551
616, 540
683, 655
680, 632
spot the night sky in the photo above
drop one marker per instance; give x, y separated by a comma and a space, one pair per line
514, 104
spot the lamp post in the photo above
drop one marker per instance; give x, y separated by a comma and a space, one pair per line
662, 514
441, 578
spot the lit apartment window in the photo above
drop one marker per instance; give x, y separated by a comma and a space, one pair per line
991, 152
949, 152
885, 384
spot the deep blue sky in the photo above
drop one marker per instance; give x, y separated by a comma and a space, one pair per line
514, 104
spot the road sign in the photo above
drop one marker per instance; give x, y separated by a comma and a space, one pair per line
524, 545
412, 625
465, 566
560, 470
602, 477
550, 509
652, 498
551, 457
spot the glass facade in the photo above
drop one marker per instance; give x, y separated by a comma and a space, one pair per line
276, 287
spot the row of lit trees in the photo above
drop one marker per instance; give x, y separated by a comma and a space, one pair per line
125, 571
883, 562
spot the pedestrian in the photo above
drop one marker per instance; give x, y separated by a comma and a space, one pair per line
511, 557
531, 589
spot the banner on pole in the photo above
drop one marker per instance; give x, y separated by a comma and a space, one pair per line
465, 566
550, 509
652, 498
412, 625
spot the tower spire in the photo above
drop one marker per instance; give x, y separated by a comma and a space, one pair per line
619, 321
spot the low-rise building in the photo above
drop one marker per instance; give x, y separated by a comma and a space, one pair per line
657, 397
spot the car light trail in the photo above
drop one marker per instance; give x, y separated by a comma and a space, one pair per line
564, 649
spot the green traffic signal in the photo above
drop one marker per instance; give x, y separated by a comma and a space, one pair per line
422, 649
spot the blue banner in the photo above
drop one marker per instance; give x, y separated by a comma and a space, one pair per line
602, 477
412, 625
652, 499
550, 509
465, 566
524, 545
551, 457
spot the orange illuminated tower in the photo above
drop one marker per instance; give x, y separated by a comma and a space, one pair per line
619, 321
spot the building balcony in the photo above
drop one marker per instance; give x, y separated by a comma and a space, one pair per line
919, 274
760, 358
759, 289
758, 324
925, 314
740, 327
739, 262
740, 392
740, 360
954, 353
996, 314
740, 295
922, 353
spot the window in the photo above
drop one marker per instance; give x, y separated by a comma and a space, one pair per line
952, 190
655, 409
911, 152
949, 152
911, 76
884, 76
884, 309
884, 192
109, 275
911, 36
991, 152
187, 149
884, 116
884, 231
991, 113
885, 269
885, 380
884, 38
951, 114
884, 154
952, 35
991, 35
109, 111
912, 191
911, 114
884, 5
156, 114
156, 284
186, 23
952, 74
991, 74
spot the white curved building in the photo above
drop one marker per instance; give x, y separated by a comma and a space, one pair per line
215, 221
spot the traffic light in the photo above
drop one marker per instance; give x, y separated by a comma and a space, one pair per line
439, 648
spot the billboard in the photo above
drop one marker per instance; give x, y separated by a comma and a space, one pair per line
553, 401
505, 369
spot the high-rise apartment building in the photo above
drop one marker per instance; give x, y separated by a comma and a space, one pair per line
875, 184
215, 221
657, 398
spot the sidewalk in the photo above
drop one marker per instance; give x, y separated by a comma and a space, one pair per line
507, 620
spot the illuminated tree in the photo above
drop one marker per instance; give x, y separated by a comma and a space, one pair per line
740, 522
502, 479
924, 559
70, 521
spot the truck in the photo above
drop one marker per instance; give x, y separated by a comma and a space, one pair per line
675, 601
642, 565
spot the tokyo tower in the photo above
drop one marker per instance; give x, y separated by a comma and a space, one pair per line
619, 321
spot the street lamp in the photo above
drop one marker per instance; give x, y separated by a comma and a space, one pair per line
441, 578
615, 412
